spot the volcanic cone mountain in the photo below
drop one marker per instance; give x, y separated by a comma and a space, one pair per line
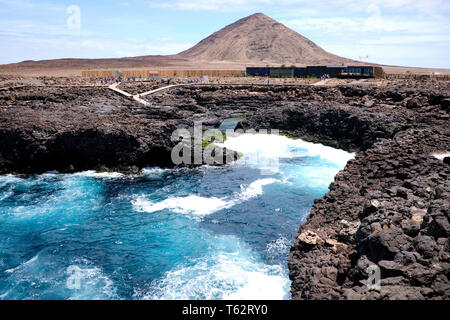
258, 38
252, 41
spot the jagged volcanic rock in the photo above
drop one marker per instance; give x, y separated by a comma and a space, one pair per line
389, 207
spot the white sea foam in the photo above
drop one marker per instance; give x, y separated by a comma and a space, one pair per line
198, 206
336, 156
270, 145
5, 195
279, 247
72, 199
258, 149
91, 284
223, 275
99, 175
191, 205
154, 171
266, 146
23, 265
84, 282
4, 180
316, 177
149, 171
255, 188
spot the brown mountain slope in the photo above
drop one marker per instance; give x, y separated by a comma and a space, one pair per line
258, 38
254, 40
66, 67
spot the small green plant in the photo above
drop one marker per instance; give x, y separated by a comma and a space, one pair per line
283, 65
210, 140
206, 143
409, 74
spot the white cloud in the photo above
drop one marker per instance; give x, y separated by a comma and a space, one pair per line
397, 32
24, 39
211, 5
367, 25
433, 55
15, 5
411, 40
19, 49
428, 7
20, 4
390, 31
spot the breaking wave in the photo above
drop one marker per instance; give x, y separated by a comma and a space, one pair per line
261, 146
226, 275
198, 206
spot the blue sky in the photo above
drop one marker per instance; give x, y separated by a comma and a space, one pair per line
397, 32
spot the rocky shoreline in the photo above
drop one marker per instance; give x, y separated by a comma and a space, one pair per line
389, 207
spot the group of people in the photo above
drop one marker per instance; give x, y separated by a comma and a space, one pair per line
109, 81
112, 80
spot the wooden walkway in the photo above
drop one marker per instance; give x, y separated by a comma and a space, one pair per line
163, 88
138, 97
113, 87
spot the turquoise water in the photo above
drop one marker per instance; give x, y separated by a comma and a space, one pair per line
230, 124
207, 233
